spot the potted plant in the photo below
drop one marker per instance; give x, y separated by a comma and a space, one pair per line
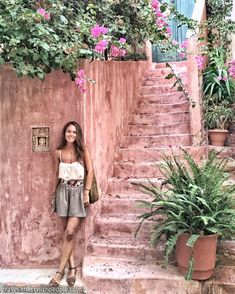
218, 96
218, 115
195, 210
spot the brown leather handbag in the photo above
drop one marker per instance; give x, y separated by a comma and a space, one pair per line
93, 193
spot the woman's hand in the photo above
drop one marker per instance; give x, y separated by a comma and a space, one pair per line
86, 198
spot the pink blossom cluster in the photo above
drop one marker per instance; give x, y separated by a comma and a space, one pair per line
161, 18
117, 52
42, 12
231, 69
183, 46
200, 62
101, 46
97, 31
81, 80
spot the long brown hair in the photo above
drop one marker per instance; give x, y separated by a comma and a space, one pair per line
79, 144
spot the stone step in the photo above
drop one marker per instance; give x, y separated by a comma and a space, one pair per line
154, 154
158, 89
109, 275
151, 81
174, 64
162, 108
168, 98
123, 204
35, 280
122, 226
160, 118
135, 248
118, 186
156, 141
162, 72
166, 129
137, 170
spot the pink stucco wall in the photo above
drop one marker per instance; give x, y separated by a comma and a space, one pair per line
195, 76
30, 235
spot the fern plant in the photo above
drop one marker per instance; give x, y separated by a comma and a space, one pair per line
196, 201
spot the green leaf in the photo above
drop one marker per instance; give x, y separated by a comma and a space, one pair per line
63, 19
45, 46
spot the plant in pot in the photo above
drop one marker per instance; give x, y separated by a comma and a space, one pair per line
195, 210
218, 96
218, 115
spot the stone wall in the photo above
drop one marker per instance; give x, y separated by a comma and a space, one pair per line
30, 235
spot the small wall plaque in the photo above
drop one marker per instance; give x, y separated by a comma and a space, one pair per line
40, 139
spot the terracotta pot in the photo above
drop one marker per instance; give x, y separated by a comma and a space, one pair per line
204, 253
218, 137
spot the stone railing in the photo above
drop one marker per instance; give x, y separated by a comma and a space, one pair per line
195, 77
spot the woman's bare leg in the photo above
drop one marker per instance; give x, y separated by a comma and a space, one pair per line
71, 262
69, 240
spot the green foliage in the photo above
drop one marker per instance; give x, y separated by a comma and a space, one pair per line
218, 115
218, 85
219, 24
196, 200
35, 46
216, 79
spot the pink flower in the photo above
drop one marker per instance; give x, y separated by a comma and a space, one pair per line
96, 31
117, 52
184, 45
175, 43
80, 80
168, 30
219, 78
122, 52
199, 61
83, 90
81, 73
101, 46
43, 13
155, 4
159, 14
231, 69
114, 51
122, 40
182, 54
225, 79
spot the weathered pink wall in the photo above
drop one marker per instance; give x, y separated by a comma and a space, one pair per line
30, 235
195, 77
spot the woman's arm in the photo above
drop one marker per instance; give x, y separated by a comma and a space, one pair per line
56, 170
89, 175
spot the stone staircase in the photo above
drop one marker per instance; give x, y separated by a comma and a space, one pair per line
116, 261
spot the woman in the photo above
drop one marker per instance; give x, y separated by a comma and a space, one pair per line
72, 162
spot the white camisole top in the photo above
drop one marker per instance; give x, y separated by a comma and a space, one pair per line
71, 171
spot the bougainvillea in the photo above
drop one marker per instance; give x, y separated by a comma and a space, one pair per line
37, 36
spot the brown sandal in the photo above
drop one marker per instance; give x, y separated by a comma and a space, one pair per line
71, 280
53, 283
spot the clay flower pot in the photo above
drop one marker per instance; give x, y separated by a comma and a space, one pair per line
204, 254
218, 137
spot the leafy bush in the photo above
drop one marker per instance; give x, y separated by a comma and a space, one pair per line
196, 201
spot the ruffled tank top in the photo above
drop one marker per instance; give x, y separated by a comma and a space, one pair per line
70, 171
